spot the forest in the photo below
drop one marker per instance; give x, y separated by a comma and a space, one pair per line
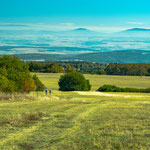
137, 69
124, 69
60, 67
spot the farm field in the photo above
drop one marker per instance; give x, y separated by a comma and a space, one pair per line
77, 120
51, 80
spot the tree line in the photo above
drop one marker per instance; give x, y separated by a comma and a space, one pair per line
15, 76
131, 69
137, 69
61, 67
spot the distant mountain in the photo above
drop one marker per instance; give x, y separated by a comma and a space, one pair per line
137, 30
80, 32
81, 29
84, 30
134, 32
126, 56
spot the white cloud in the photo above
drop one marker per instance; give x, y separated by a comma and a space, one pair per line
106, 29
67, 24
59, 27
136, 23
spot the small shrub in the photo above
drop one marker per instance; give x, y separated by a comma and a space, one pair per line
26, 146
113, 88
21, 119
15, 96
108, 88
32, 116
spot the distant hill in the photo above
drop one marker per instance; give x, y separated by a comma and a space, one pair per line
84, 30
136, 30
126, 56
81, 29
80, 32
41, 57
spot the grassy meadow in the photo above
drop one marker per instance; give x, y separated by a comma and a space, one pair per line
51, 80
77, 120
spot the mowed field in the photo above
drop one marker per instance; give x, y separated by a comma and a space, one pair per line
77, 120
51, 80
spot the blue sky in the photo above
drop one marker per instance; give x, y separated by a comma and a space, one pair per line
94, 14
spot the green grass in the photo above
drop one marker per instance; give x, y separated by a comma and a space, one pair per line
70, 121
51, 80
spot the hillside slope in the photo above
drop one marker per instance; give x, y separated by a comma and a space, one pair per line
128, 56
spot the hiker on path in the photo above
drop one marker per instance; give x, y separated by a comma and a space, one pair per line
50, 92
46, 92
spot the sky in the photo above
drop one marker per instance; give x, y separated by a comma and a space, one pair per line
99, 15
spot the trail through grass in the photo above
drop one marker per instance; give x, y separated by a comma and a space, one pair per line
125, 95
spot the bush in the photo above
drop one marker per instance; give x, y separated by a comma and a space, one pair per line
21, 119
113, 88
15, 96
73, 81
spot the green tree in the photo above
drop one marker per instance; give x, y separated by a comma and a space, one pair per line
101, 72
15, 75
40, 86
70, 69
54, 68
73, 81
6, 85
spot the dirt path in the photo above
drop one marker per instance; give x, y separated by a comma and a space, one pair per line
113, 95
